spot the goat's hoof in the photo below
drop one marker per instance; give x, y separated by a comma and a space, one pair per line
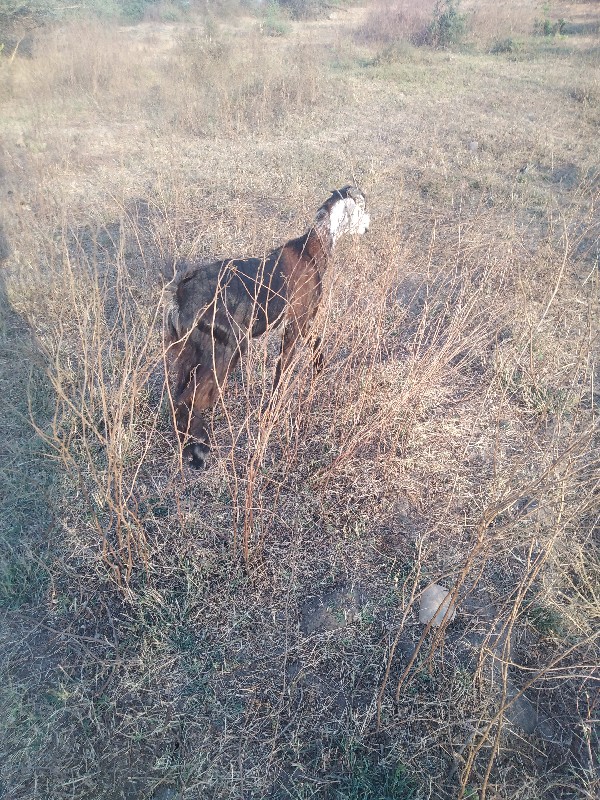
195, 455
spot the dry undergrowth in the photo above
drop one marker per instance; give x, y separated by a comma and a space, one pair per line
252, 631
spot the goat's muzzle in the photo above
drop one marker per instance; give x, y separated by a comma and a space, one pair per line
195, 455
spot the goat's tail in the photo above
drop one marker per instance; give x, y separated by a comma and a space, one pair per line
171, 311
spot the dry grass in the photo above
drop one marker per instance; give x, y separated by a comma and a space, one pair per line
252, 631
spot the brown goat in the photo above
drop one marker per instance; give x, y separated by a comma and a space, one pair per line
213, 308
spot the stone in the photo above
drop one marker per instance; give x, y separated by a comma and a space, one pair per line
435, 600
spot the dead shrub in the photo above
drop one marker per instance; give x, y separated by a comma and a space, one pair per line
392, 20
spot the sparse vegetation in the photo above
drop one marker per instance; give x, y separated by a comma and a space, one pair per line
252, 631
549, 27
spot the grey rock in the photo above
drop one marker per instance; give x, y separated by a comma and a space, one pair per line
435, 602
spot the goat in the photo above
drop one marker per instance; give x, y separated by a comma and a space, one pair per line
212, 309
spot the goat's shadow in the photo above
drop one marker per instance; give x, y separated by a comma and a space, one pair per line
25, 475
33, 556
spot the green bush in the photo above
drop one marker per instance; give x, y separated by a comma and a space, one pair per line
546, 27
130, 10
105, 9
274, 23
447, 26
134, 10
508, 45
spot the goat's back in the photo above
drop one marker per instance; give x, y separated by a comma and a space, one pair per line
242, 294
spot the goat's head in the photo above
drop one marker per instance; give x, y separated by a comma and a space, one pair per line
344, 212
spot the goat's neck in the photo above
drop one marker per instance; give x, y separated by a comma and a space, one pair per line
320, 242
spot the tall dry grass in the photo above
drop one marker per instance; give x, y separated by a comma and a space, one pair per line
199, 84
216, 87
210, 632
430, 344
491, 22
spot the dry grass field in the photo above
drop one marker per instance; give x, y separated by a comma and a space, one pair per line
252, 631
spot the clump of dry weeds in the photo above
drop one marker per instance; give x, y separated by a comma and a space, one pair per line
390, 22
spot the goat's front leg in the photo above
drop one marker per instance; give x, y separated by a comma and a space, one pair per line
297, 327
318, 360
291, 334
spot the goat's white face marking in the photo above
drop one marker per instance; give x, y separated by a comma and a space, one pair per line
348, 216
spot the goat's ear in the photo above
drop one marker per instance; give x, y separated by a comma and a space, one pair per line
169, 268
357, 196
